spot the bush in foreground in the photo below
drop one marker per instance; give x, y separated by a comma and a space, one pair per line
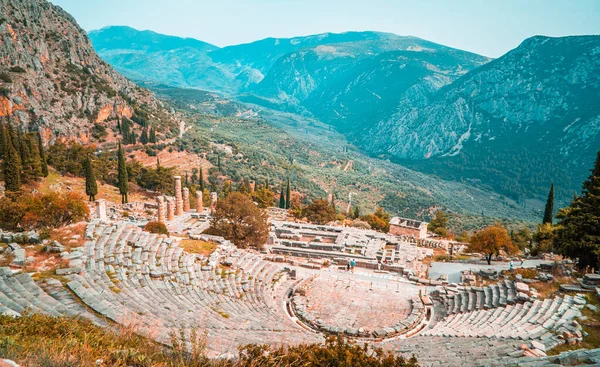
34, 211
156, 227
39, 340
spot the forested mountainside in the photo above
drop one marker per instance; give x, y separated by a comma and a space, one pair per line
52, 80
515, 124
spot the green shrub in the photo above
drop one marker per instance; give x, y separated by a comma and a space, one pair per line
5, 77
156, 227
17, 69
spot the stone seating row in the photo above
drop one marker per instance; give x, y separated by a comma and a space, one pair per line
19, 292
146, 280
537, 320
467, 299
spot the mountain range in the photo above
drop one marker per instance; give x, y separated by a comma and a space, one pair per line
513, 124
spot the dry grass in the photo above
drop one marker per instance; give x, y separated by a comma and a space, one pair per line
591, 326
77, 184
38, 340
198, 247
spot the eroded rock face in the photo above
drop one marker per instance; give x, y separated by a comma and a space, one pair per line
52, 78
546, 85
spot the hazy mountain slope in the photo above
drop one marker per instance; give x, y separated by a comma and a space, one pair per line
53, 80
150, 56
351, 85
516, 123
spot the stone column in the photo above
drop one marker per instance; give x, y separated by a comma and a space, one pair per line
199, 208
186, 199
178, 196
170, 209
160, 202
101, 209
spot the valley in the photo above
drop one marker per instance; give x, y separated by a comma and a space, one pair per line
273, 145
414, 102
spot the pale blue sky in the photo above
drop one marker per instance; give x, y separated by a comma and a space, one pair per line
487, 27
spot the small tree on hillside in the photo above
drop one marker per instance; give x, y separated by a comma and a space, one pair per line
239, 220
578, 231
320, 212
263, 197
438, 224
123, 179
549, 211
91, 186
491, 241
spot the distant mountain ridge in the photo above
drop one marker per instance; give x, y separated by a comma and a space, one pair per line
239, 69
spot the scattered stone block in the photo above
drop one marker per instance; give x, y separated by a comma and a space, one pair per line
538, 345
521, 287
68, 271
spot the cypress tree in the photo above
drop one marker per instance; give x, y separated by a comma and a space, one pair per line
201, 179
577, 234
123, 180
152, 137
91, 186
144, 136
267, 184
288, 195
185, 180
282, 198
12, 166
549, 212
42, 155
219, 163
2, 140
32, 166
356, 212
20, 146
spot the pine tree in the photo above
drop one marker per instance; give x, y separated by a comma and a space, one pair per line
577, 234
288, 195
549, 212
282, 198
12, 166
123, 180
42, 155
91, 186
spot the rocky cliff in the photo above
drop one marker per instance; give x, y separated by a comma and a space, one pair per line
52, 80
523, 120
